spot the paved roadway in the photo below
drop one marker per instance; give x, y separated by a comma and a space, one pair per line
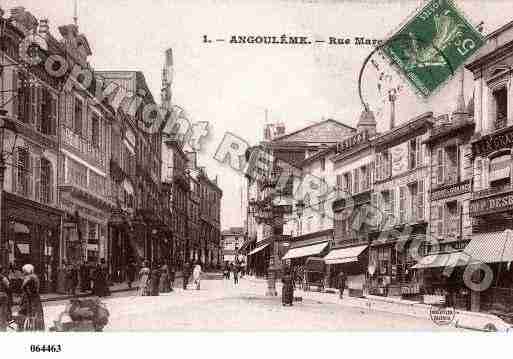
221, 306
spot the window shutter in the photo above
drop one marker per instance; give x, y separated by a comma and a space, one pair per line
420, 200
440, 166
16, 88
53, 114
349, 184
393, 210
440, 223
402, 204
29, 175
370, 174
37, 177
356, 180
478, 183
419, 151
39, 107
15, 170
485, 173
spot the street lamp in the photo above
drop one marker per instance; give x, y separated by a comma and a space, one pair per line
6, 126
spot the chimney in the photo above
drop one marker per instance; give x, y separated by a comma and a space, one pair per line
169, 57
460, 112
392, 97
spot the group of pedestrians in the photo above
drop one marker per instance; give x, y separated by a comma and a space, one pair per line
30, 314
235, 269
153, 280
87, 277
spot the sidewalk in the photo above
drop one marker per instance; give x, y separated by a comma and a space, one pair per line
114, 288
463, 319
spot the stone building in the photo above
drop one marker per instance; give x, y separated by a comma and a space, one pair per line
31, 216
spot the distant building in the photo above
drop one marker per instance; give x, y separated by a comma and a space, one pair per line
232, 240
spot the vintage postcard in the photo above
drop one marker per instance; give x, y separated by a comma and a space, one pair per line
220, 165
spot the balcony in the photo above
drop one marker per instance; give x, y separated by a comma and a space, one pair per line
492, 191
83, 147
101, 194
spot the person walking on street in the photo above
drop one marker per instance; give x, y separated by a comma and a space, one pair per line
144, 279
164, 285
5, 301
235, 275
287, 291
196, 275
73, 278
101, 287
186, 273
172, 275
155, 280
31, 309
130, 273
341, 283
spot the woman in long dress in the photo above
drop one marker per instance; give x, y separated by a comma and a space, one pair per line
196, 275
144, 279
155, 280
5, 302
164, 285
31, 308
287, 291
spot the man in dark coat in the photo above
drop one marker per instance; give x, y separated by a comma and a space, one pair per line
155, 280
130, 273
186, 273
287, 291
85, 279
341, 283
101, 287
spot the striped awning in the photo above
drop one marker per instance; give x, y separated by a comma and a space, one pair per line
257, 249
443, 260
344, 255
491, 247
305, 251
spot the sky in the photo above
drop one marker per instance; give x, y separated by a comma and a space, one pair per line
232, 85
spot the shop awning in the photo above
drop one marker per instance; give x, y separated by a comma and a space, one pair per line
344, 255
257, 249
305, 251
443, 260
492, 247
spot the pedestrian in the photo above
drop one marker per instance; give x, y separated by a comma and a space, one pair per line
186, 273
85, 280
235, 274
144, 280
287, 291
100, 286
5, 301
341, 283
172, 275
155, 280
164, 285
73, 279
226, 271
31, 309
196, 275
130, 273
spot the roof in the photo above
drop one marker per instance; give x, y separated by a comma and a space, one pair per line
320, 154
405, 129
294, 135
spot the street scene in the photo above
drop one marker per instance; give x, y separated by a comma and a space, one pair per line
262, 166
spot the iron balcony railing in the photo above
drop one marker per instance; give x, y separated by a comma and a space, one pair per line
84, 147
492, 191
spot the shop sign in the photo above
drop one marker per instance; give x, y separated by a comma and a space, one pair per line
500, 167
499, 203
493, 143
399, 158
352, 141
452, 190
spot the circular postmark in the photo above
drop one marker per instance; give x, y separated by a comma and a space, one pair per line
442, 315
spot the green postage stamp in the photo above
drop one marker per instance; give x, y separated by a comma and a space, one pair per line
432, 45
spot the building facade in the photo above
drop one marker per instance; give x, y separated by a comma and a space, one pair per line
31, 215
232, 241
210, 220
400, 192
491, 204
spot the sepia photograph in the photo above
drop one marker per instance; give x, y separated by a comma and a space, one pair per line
209, 166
